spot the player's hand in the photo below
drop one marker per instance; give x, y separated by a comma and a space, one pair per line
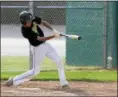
57, 35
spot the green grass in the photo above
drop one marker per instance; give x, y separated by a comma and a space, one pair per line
21, 63
11, 63
82, 75
12, 66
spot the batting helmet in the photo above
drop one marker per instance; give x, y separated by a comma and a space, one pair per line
25, 16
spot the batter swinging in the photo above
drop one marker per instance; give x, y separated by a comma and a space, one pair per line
31, 31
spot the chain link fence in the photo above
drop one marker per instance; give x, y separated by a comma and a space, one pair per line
84, 18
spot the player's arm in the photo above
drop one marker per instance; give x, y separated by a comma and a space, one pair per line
36, 37
48, 25
45, 38
39, 21
48, 37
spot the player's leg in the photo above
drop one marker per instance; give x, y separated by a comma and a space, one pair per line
38, 55
52, 54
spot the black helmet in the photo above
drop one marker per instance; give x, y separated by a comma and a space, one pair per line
25, 16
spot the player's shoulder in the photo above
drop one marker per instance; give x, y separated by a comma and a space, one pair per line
37, 19
23, 29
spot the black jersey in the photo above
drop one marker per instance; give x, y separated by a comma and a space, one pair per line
32, 32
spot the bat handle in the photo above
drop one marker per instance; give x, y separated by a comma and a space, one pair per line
62, 35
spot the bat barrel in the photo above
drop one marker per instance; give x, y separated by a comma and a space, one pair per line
79, 38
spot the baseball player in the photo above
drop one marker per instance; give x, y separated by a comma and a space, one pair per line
31, 31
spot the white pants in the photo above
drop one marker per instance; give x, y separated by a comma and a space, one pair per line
40, 52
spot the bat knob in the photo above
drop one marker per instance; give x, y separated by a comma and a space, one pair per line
79, 38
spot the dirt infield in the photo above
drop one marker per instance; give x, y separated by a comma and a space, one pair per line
53, 88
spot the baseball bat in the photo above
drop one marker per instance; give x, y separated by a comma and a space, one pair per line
71, 36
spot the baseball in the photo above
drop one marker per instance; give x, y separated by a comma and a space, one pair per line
109, 58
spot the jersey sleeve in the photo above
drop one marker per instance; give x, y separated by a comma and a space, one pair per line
37, 20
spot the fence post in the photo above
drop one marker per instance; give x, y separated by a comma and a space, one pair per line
105, 35
116, 26
115, 64
115, 31
31, 9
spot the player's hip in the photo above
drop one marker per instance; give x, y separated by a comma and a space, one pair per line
43, 47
